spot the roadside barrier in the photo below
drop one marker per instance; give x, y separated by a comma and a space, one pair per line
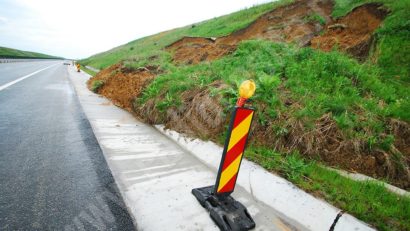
228, 213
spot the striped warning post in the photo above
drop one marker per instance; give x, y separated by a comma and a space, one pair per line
234, 149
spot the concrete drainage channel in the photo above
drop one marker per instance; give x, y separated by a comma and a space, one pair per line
274, 191
156, 173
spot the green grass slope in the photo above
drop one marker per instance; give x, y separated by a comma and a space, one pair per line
392, 53
140, 50
355, 103
14, 53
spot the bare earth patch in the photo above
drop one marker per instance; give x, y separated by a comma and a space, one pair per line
202, 116
122, 85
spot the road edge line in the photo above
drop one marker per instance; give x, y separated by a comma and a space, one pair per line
118, 184
4, 86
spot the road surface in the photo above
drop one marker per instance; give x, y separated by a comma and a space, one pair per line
53, 175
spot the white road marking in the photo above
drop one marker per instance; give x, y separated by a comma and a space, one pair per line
24, 77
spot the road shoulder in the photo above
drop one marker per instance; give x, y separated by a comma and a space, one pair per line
154, 175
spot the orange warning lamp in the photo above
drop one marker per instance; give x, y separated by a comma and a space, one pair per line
246, 91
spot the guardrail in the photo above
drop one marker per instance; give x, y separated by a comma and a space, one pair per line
93, 69
8, 60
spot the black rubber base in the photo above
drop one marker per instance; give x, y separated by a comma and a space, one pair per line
227, 213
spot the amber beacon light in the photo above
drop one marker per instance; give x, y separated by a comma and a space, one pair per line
226, 212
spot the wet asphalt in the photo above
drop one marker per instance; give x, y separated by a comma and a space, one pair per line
53, 174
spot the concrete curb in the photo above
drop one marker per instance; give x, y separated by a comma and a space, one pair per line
276, 192
155, 175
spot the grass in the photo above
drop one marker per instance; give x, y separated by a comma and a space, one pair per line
88, 71
359, 97
392, 53
138, 52
321, 83
96, 85
368, 201
316, 18
14, 53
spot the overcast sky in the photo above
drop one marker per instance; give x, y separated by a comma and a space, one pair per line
80, 28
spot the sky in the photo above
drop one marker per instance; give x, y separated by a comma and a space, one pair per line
81, 28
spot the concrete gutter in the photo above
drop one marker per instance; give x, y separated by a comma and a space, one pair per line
272, 190
155, 175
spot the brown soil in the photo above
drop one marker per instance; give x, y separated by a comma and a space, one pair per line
122, 85
201, 115
191, 50
290, 23
325, 141
284, 24
352, 33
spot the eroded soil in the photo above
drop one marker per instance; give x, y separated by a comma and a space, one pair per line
352, 33
201, 115
122, 85
301, 23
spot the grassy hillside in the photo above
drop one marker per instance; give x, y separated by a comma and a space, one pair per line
13, 53
140, 50
314, 109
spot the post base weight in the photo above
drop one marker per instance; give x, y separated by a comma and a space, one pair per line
227, 213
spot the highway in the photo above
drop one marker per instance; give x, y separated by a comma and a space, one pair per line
53, 174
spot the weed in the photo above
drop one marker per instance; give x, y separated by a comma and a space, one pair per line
368, 201
96, 85
393, 46
294, 166
359, 97
315, 18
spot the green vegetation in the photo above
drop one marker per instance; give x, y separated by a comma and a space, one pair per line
368, 201
298, 84
88, 71
149, 49
357, 96
13, 53
392, 53
96, 85
322, 82
316, 18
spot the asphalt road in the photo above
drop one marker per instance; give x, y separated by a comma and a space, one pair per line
53, 175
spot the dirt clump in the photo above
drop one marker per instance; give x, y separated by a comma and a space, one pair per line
301, 23
122, 84
352, 33
192, 50
288, 23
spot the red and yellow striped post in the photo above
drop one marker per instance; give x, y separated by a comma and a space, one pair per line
236, 140
233, 151
227, 213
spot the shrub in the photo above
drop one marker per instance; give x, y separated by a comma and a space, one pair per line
96, 85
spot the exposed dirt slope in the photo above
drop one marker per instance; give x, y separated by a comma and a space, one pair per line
299, 23
122, 85
352, 33
202, 115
